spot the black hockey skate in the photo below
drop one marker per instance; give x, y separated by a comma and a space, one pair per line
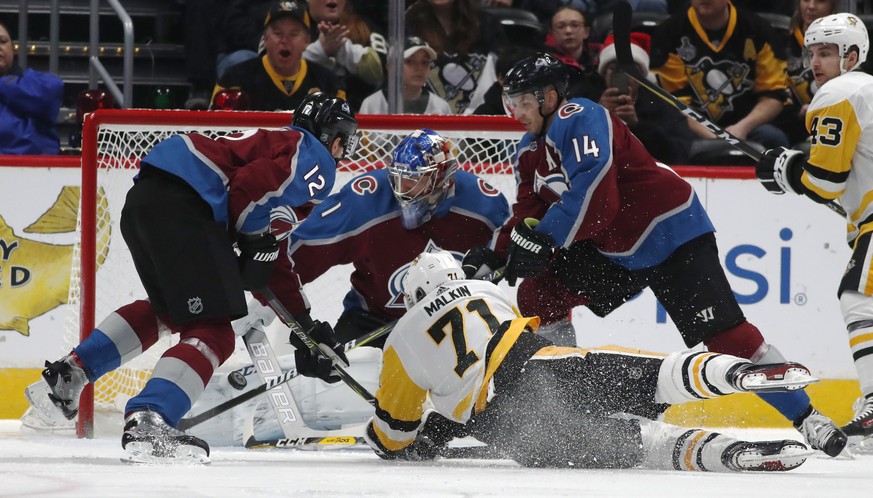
148, 439
774, 377
821, 433
765, 456
64, 381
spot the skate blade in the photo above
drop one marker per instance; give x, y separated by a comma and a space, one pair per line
44, 408
860, 446
788, 458
793, 379
141, 453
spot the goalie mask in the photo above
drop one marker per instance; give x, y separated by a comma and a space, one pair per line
427, 272
842, 30
422, 175
327, 118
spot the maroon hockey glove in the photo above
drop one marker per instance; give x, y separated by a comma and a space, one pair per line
529, 251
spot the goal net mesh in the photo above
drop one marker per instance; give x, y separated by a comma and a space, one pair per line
115, 141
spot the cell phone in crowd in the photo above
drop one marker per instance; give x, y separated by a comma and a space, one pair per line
620, 81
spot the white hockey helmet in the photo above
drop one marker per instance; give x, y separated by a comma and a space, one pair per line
427, 272
843, 30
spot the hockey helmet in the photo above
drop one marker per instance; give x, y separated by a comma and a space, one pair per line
428, 271
422, 175
533, 74
328, 117
843, 30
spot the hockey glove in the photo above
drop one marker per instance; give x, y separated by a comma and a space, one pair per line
529, 251
421, 450
779, 170
480, 261
257, 254
311, 363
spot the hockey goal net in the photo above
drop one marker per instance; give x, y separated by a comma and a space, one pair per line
114, 141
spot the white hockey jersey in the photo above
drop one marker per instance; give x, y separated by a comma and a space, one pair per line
840, 122
441, 347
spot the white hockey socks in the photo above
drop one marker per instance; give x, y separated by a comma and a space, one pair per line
692, 376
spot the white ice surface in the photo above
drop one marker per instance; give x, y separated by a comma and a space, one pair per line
39, 466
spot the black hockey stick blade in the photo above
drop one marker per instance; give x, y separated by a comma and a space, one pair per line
622, 21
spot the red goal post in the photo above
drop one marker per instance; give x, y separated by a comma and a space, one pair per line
113, 142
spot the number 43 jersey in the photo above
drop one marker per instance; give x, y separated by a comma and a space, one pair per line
840, 123
443, 346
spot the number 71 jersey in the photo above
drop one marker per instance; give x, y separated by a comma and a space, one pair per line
440, 346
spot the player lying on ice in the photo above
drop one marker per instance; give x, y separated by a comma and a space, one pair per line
463, 345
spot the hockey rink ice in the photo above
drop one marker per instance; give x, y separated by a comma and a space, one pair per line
40, 466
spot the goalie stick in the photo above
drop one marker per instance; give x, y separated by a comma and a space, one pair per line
297, 330
622, 21
284, 377
274, 381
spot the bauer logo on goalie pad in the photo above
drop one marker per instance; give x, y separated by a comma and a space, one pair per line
195, 305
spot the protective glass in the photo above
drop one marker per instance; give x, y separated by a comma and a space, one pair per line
521, 103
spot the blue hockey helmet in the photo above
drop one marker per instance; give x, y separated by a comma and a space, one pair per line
422, 175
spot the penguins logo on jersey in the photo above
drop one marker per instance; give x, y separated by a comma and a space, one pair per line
395, 287
457, 79
803, 84
717, 84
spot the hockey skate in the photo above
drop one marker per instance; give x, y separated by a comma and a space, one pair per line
766, 456
821, 433
775, 377
63, 382
860, 429
148, 439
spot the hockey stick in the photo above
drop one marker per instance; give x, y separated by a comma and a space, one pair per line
297, 330
272, 382
621, 29
267, 365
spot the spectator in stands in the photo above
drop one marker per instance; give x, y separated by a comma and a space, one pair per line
417, 60
661, 128
493, 104
349, 45
801, 82
280, 79
465, 38
544, 9
241, 31
725, 63
29, 105
567, 40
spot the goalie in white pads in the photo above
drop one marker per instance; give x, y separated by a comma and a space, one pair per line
464, 345
840, 166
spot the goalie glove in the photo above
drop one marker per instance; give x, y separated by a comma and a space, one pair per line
779, 171
309, 362
480, 261
529, 251
258, 252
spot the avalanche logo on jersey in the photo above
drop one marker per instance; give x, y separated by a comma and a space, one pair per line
487, 189
283, 219
550, 187
395, 282
717, 84
364, 185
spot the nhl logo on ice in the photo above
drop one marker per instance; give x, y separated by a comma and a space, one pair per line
195, 305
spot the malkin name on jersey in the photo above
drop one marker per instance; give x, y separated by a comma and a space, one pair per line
446, 296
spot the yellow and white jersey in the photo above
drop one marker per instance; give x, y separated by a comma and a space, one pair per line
840, 122
441, 347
